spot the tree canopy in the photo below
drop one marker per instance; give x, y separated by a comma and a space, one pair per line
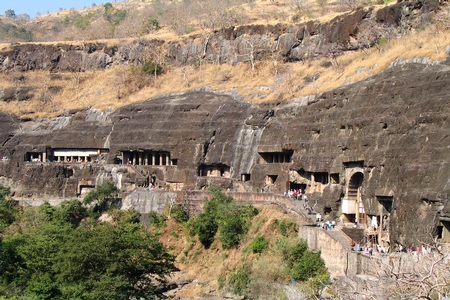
62, 253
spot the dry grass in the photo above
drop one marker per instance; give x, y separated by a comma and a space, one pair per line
211, 263
271, 80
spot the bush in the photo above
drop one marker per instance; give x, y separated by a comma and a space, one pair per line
314, 285
220, 213
152, 24
231, 231
309, 265
240, 281
286, 227
179, 213
206, 228
152, 68
100, 194
69, 212
82, 22
259, 244
155, 219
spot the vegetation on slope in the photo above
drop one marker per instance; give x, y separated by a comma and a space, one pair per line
65, 253
98, 252
44, 94
241, 249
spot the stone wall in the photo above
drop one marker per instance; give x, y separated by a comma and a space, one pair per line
146, 201
337, 259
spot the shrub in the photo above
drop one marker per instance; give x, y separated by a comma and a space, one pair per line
231, 231
309, 265
179, 213
155, 219
82, 22
259, 244
70, 211
206, 228
152, 24
221, 281
100, 194
108, 7
220, 213
297, 252
240, 281
314, 285
286, 227
152, 68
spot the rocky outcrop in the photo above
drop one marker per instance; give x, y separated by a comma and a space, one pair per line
347, 32
385, 137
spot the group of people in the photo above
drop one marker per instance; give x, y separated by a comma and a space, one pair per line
297, 194
378, 249
415, 250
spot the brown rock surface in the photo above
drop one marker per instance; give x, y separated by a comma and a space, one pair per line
394, 127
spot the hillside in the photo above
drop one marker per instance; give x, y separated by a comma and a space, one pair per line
260, 265
263, 70
347, 101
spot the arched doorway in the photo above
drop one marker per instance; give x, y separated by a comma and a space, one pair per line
354, 195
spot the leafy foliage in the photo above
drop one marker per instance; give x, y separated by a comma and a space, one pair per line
155, 219
61, 255
113, 15
304, 263
223, 215
286, 227
151, 24
259, 244
100, 196
179, 213
13, 32
82, 22
239, 281
7, 208
152, 68
9, 13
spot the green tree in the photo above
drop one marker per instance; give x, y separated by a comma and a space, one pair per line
152, 68
222, 214
240, 281
7, 208
259, 244
123, 266
10, 14
102, 196
179, 213
71, 212
63, 258
82, 22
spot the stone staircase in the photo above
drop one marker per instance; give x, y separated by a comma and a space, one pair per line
340, 236
336, 233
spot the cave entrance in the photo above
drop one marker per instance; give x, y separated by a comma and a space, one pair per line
245, 177
352, 205
271, 179
85, 189
296, 186
444, 230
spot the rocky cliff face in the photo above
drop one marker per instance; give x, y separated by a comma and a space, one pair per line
355, 30
377, 149
385, 139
